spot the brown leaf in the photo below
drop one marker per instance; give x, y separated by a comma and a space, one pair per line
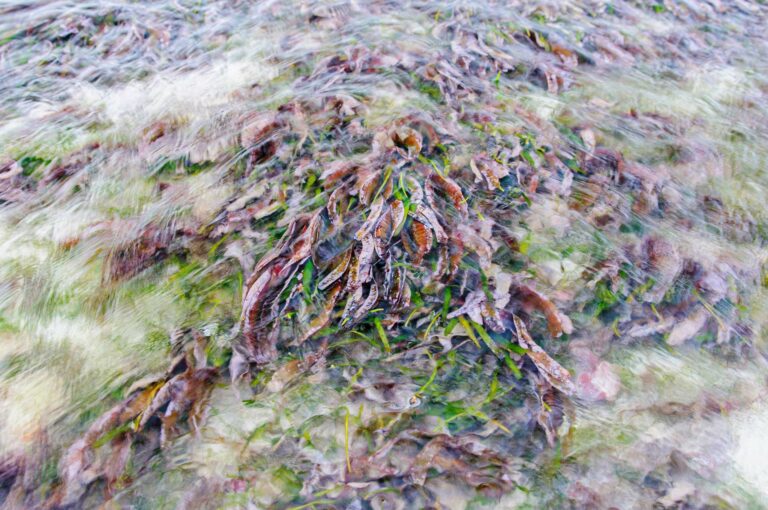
374, 214
276, 269
322, 319
367, 186
550, 369
449, 258
183, 392
259, 129
260, 137
303, 246
336, 200
354, 301
466, 458
474, 242
118, 459
415, 190
337, 272
150, 247
489, 170
336, 171
568, 57
407, 141
455, 255
397, 211
549, 411
422, 238
78, 468
121, 413
557, 322
258, 349
369, 303
360, 271
399, 295
472, 307
427, 216
452, 191
274, 253
383, 232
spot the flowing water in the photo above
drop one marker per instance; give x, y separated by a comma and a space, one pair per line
605, 157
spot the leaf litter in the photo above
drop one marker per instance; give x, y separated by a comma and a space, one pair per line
383, 258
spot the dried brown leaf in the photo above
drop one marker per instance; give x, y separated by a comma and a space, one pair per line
472, 307
256, 130
451, 190
567, 57
549, 411
337, 272
407, 141
422, 238
399, 295
488, 170
360, 270
367, 186
337, 171
427, 216
474, 242
557, 322
322, 319
550, 369
303, 246
397, 211
369, 303
373, 218
383, 232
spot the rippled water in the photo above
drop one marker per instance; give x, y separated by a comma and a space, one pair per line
151, 153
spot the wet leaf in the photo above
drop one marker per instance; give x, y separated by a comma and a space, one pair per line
324, 317
408, 141
550, 369
337, 272
426, 216
422, 239
488, 170
373, 218
557, 322
451, 190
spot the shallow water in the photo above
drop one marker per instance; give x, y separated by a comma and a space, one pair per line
143, 179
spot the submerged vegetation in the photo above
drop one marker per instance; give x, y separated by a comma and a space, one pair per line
381, 255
